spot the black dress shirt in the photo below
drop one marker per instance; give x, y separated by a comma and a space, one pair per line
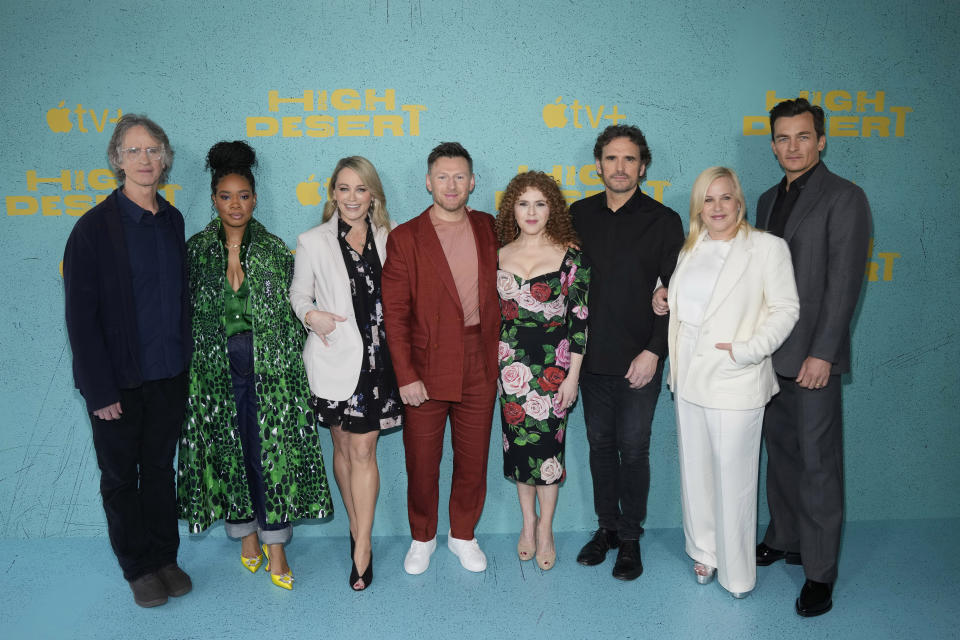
783, 205
156, 269
628, 250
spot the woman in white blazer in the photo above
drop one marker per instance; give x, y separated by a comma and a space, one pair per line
732, 301
336, 294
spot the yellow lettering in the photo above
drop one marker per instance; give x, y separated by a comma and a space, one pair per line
262, 126
21, 205
345, 100
414, 114
169, 192
392, 123
319, 126
888, 259
63, 180
274, 100
876, 101
843, 126
76, 205
838, 101
756, 125
588, 175
290, 126
593, 122
352, 126
614, 116
389, 99
658, 188
48, 206
901, 117
880, 124
101, 179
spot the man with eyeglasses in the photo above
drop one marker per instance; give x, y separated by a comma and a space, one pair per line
128, 320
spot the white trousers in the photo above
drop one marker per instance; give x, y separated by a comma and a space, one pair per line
719, 465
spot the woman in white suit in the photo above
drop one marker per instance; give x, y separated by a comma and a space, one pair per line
336, 294
733, 301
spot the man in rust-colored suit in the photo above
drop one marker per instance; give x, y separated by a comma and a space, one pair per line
442, 317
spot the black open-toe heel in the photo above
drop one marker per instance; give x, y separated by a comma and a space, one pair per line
367, 576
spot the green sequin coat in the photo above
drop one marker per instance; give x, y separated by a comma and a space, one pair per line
211, 478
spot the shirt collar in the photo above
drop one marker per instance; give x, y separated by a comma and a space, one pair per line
629, 205
134, 211
800, 181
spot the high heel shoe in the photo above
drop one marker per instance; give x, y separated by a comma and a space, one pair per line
525, 551
546, 560
367, 576
252, 564
282, 580
704, 573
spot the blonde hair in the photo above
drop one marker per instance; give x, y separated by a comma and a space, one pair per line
699, 193
371, 180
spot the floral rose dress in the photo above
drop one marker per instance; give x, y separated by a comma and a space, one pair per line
543, 321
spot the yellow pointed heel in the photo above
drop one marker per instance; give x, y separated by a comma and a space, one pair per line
252, 564
282, 580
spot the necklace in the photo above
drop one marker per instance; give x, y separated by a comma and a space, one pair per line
232, 246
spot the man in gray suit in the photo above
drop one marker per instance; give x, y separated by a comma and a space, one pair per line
826, 221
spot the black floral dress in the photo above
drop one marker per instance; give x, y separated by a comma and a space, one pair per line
375, 404
543, 321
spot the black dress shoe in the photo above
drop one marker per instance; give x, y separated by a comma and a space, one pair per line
628, 565
148, 590
768, 555
815, 598
175, 580
595, 551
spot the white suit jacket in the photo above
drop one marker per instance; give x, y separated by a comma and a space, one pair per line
754, 306
320, 282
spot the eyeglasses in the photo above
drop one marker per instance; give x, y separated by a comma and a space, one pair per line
132, 153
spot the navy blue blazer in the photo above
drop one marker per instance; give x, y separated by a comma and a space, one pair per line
100, 313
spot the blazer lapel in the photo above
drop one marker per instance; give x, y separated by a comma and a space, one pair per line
731, 272
430, 244
486, 259
805, 203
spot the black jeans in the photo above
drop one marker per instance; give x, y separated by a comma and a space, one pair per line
137, 480
618, 429
240, 348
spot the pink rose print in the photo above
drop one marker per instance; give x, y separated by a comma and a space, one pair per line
555, 307
507, 285
537, 406
526, 300
563, 354
580, 312
557, 409
515, 379
558, 437
506, 443
551, 470
504, 352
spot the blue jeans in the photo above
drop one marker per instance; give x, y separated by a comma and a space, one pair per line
240, 347
618, 430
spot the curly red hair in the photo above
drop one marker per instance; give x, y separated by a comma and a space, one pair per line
559, 225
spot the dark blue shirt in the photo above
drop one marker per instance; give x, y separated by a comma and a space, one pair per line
157, 277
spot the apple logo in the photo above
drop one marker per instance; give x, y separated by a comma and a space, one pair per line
553, 114
58, 119
308, 193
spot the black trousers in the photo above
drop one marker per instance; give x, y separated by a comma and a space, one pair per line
803, 430
137, 479
618, 429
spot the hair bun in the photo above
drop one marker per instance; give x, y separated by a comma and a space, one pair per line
226, 156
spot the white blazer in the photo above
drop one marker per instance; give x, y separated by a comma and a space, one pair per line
754, 306
320, 282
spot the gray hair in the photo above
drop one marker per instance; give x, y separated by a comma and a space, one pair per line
127, 122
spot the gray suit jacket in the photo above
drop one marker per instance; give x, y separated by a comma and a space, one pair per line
828, 233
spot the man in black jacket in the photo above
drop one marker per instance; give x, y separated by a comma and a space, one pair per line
128, 319
630, 240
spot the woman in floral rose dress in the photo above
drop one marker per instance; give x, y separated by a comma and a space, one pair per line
542, 283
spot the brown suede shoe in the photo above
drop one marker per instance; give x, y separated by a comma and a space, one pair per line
175, 580
148, 591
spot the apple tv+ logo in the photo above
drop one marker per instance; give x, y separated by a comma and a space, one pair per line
555, 116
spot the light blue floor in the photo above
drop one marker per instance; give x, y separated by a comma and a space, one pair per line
898, 580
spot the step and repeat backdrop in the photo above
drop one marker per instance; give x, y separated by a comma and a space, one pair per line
523, 85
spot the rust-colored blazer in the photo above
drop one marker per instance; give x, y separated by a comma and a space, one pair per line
421, 306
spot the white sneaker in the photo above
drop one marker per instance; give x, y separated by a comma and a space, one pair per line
471, 557
418, 556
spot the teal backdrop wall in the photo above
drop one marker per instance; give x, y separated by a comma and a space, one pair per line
521, 84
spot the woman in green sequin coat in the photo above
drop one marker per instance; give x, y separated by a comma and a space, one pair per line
250, 452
